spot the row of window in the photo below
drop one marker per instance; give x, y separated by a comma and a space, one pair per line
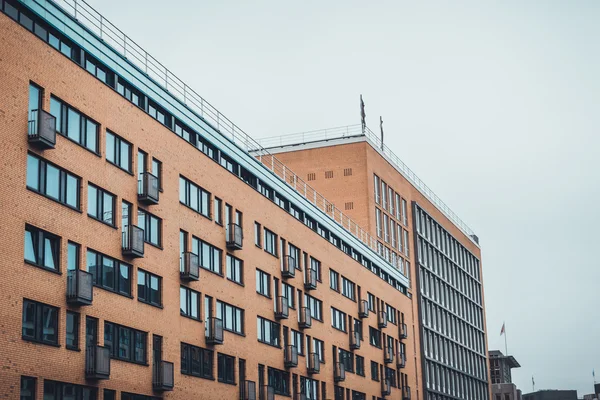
451, 382
392, 232
347, 288
390, 200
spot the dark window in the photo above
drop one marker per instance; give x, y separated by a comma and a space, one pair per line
226, 368
108, 273
159, 114
360, 365
371, 302
101, 204
316, 266
235, 269
189, 303
196, 361
28, 388
232, 317
338, 319
390, 375
334, 280
152, 226
288, 291
133, 396
72, 331
209, 256
75, 126
374, 371
52, 181
294, 253
194, 196
263, 283
118, 151
315, 306
125, 343
319, 348
40, 322
338, 392
96, 69
42, 248
279, 381
257, 234
297, 339
270, 242
358, 395
110, 394
374, 337
67, 391
130, 93
347, 359
218, 211
309, 387
149, 288
268, 332
348, 289
157, 171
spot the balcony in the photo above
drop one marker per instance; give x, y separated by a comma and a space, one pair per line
249, 390
41, 130
401, 360
339, 372
386, 388
162, 376
268, 393
97, 362
382, 319
148, 189
354, 340
314, 363
214, 331
80, 288
282, 310
133, 241
234, 237
403, 331
388, 355
310, 279
288, 269
290, 356
304, 318
363, 309
406, 393
189, 269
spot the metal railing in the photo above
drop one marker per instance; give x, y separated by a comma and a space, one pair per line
162, 76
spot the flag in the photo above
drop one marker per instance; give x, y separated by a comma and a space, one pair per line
502, 331
594, 373
532, 380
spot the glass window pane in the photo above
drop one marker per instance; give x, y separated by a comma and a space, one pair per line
30, 247
183, 301
181, 190
72, 256
28, 319
49, 333
194, 304
72, 191
110, 146
52, 181
33, 165
125, 156
34, 99
155, 289
92, 201
108, 208
91, 139
50, 253
74, 125
154, 231
108, 273
124, 284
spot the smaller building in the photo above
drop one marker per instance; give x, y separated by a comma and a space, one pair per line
551, 395
592, 396
505, 391
500, 367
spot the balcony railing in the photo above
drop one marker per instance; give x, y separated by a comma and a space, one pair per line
235, 237
388, 354
162, 376
41, 130
214, 331
288, 267
354, 340
314, 363
249, 390
290, 356
189, 267
304, 318
386, 388
148, 188
363, 309
339, 372
282, 310
310, 279
80, 288
401, 360
382, 319
406, 393
268, 393
97, 362
133, 241
403, 331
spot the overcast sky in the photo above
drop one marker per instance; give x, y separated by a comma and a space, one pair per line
495, 106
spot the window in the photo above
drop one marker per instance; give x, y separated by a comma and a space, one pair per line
268, 331
374, 337
52, 181
218, 211
279, 381
270, 242
391, 314
108, 273
348, 289
209, 256
377, 183
157, 171
378, 222
404, 213
309, 388
133, 396
40, 322
126, 344
294, 253
75, 126
371, 302
374, 371
152, 226
72, 331
390, 376
288, 291
149, 288
67, 391
347, 359
94, 68
101, 204
406, 247
196, 361
318, 346
189, 303
110, 394
315, 306
257, 234
235, 269
158, 114
360, 365
334, 280
232, 317
315, 265
130, 93
298, 341
226, 368
263, 283
28, 388
338, 319
42, 248
118, 151
194, 197
358, 395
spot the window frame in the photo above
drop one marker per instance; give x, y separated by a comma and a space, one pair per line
225, 367
38, 323
274, 329
99, 273
63, 178
221, 313
38, 244
148, 218
205, 369
188, 300
235, 269
260, 277
148, 276
115, 345
117, 152
100, 201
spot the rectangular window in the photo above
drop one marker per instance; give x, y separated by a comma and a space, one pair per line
294, 253
226, 368
315, 306
157, 171
288, 291
348, 289
374, 371
347, 360
263, 283
257, 234
371, 302
194, 197
124, 343
209, 256
404, 213
315, 265
67, 391
391, 314
42, 248
318, 346
189, 301
40, 322
133, 396
52, 181
270, 242
338, 319
377, 184
101, 204
196, 361
235, 269
279, 381
149, 288
232, 317
118, 151
74, 125
152, 226
268, 332
390, 375
374, 337
130, 93
110, 394
309, 388
334, 280
218, 211
28, 388
406, 247
360, 365
72, 331
158, 114
297, 339
108, 273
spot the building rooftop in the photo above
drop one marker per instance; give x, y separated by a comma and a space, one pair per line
512, 362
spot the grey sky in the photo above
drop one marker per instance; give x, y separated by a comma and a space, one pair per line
495, 106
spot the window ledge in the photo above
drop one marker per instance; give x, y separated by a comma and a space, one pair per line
103, 222
54, 271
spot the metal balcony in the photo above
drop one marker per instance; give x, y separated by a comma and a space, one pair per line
354, 340
214, 331
234, 237
148, 188
268, 393
249, 390
406, 393
288, 268
282, 310
386, 388
310, 279
401, 360
382, 319
403, 331
189, 268
304, 318
290, 356
133, 241
363, 309
41, 130
80, 288
97, 362
388, 355
339, 372
314, 363
163, 376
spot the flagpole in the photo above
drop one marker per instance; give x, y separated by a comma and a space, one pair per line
505, 342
